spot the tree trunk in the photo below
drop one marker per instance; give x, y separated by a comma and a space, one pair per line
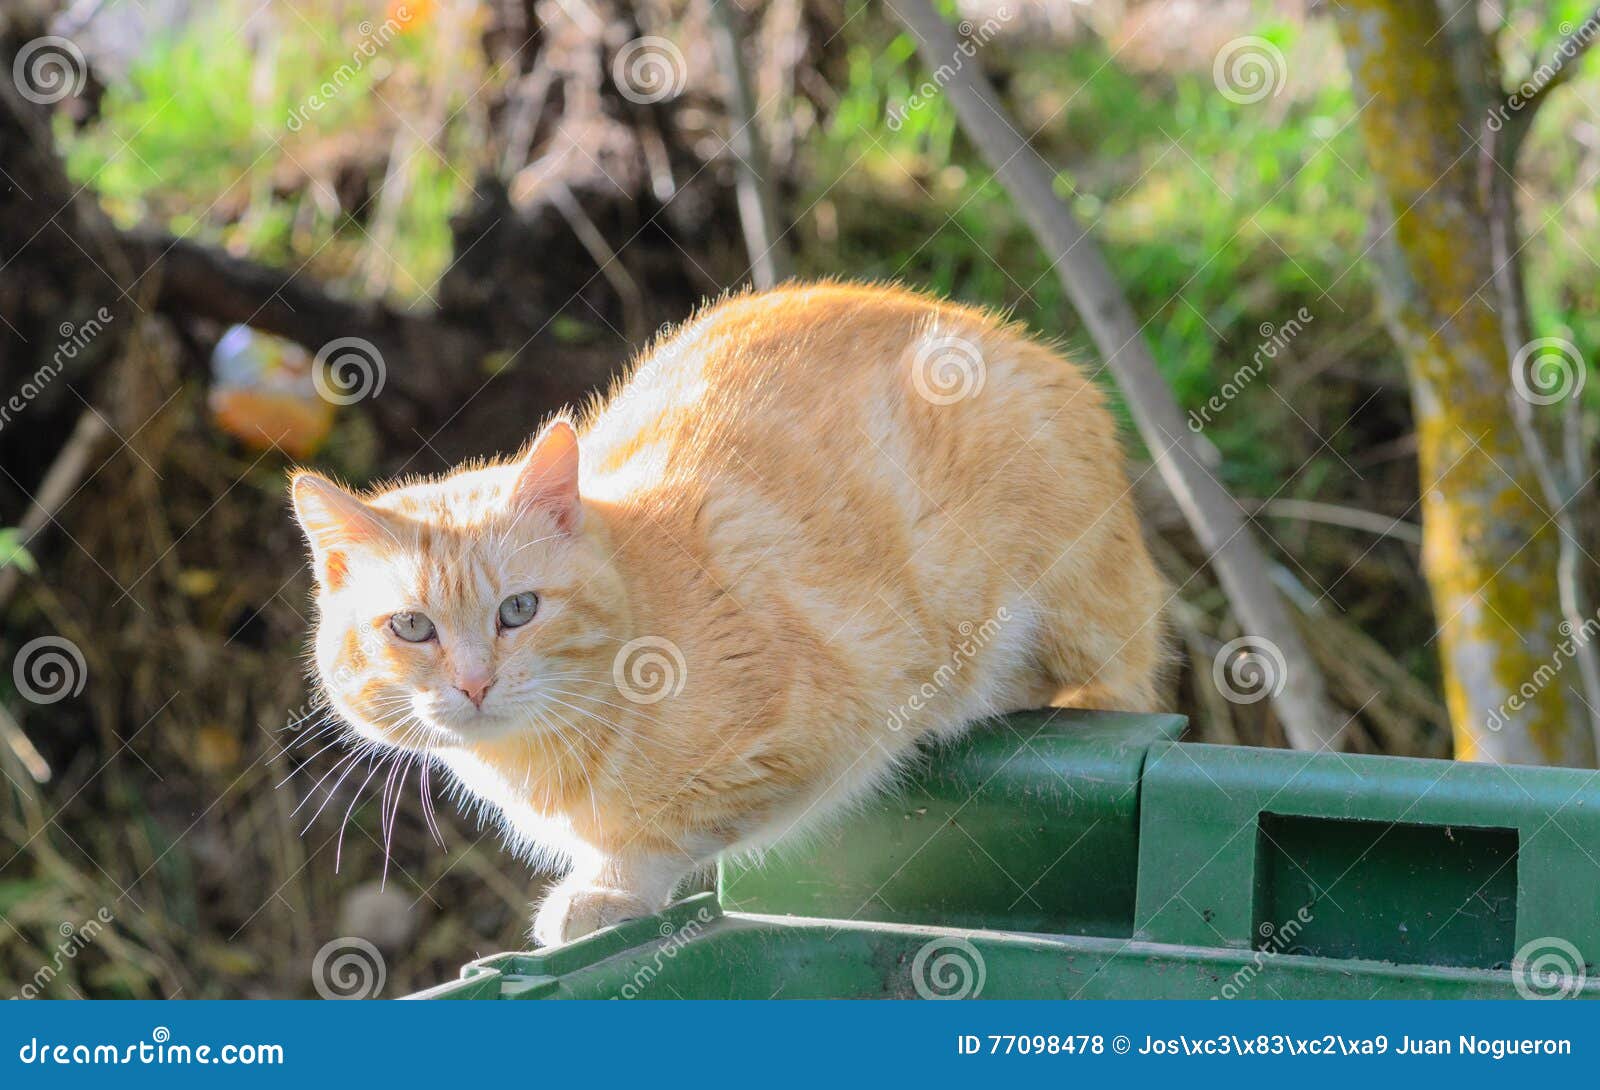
1490, 546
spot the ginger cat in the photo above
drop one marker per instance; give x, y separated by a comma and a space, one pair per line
815, 527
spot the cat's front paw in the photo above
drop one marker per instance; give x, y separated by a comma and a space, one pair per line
570, 912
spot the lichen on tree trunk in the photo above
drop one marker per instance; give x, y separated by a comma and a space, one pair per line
1490, 549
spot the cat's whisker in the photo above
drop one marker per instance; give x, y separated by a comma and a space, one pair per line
354, 759
395, 766
625, 737
593, 635
554, 695
295, 749
596, 746
528, 544
425, 788
577, 759
403, 767
557, 767
338, 851
596, 699
594, 743
352, 755
303, 765
410, 756
332, 725
320, 709
332, 722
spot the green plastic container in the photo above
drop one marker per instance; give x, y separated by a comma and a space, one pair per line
1091, 855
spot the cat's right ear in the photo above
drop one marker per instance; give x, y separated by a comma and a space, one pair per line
333, 521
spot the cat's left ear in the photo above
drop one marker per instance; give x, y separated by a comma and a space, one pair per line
547, 478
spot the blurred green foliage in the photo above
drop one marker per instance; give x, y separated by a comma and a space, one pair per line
1218, 217
213, 125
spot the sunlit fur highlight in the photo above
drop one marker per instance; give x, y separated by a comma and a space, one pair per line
770, 493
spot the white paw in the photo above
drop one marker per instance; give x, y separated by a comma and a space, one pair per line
570, 912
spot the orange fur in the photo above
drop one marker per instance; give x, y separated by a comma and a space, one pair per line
793, 553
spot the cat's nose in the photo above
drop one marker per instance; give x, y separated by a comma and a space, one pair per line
474, 687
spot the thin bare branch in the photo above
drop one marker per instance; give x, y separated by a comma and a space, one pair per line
1519, 107
1216, 519
758, 209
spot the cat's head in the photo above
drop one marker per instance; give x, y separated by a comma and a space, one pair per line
465, 609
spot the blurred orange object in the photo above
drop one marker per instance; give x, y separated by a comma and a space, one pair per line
262, 394
408, 15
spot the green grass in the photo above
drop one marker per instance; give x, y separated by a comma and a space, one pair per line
199, 135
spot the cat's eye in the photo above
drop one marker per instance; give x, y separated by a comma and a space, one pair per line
411, 626
518, 609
